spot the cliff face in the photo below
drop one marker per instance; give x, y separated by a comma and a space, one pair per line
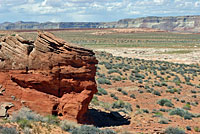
47, 25
49, 75
180, 23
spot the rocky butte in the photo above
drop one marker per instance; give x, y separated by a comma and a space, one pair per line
49, 76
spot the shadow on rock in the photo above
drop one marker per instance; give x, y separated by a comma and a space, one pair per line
104, 119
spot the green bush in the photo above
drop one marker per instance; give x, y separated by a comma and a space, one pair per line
188, 128
117, 78
124, 92
103, 81
132, 96
118, 104
113, 96
187, 107
196, 129
95, 101
172, 130
101, 91
181, 112
114, 71
119, 89
172, 91
165, 102
24, 123
157, 114
121, 104
156, 93
51, 119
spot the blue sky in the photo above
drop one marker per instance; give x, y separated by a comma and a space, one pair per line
93, 10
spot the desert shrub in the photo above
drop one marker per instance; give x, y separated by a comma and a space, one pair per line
121, 104
196, 129
145, 111
182, 101
140, 81
124, 92
163, 84
117, 78
157, 114
164, 110
163, 120
27, 130
141, 76
24, 123
101, 91
68, 125
91, 130
194, 96
172, 90
103, 81
108, 131
108, 65
140, 91
157, 84
114, 71
165, 102
116, 98
188, 128
118, 104
113, 96
119, 89
51, 119
132, 96
187, 117
95, 101
25, 113
172, 130
156, 93
8, 130
137, 106
187, 107
181, 112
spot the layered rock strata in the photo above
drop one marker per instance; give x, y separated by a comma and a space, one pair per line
49, 76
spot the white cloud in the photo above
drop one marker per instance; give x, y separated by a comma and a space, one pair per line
93, 10
197, 4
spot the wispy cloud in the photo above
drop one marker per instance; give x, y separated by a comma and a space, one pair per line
93, 10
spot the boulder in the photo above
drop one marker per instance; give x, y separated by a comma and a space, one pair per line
4, 107
50, 76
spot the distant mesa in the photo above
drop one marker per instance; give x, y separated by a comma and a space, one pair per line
49, 76
179, 23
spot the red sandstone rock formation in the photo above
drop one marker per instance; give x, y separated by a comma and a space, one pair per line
48, 76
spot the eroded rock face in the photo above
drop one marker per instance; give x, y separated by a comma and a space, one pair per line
49, 75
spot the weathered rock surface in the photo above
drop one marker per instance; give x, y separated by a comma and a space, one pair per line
4, 106
49, 75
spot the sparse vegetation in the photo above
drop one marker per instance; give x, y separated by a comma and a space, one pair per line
165, 102
172, 130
